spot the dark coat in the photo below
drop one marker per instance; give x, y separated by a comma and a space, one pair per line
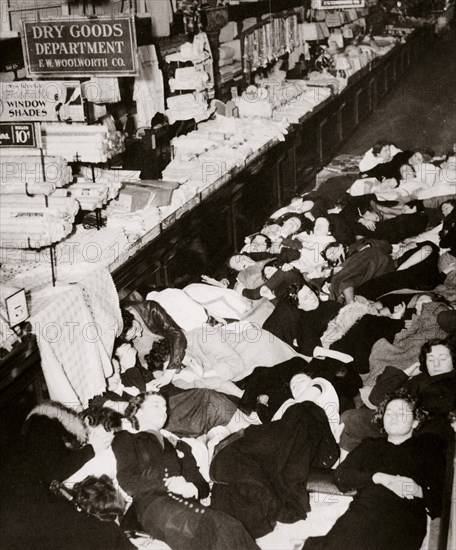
158, 321
378, 518
30, 515
261, 472
144, 461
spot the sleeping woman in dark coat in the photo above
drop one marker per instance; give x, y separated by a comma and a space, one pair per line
399, 479
166, 485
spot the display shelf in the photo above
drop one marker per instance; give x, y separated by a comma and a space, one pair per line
215, 224
244, 10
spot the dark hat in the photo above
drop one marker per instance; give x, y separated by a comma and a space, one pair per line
447, 321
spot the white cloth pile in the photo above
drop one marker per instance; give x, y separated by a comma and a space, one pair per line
35, 222
75, 334
80, 142
31, 173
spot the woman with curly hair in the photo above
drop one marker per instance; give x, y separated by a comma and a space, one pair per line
56, 443
432, 380
163, 479
399, 480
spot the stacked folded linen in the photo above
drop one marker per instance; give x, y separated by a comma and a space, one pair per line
112, 179
193, 144
230, 64
32, 229
32, 173
189, 78
89, 195
186, 107
79, 142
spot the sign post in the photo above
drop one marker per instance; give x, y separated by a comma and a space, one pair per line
80, 46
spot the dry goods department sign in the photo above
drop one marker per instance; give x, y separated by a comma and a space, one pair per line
80, 46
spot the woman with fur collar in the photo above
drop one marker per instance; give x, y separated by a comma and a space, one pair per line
56, 443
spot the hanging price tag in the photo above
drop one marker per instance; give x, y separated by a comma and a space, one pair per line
18, 134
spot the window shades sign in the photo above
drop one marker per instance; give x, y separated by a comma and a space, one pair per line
46, 101
80, 46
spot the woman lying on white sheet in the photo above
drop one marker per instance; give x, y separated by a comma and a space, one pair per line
206, 355
427, 182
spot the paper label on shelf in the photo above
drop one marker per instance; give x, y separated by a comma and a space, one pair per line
18, 135
50, 101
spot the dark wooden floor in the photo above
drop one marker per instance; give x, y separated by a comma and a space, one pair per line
421, 110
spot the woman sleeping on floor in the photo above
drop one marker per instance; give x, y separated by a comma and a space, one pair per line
162, 477
399, 480
260, 473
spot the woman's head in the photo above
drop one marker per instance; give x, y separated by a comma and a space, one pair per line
334, 254
322, 227
447, 207
399, 414
102, 423
382, 149
97, 496
298, 386
270, 268
304, 297
290, 225
437, 357
147, 411
260, 243
239, 262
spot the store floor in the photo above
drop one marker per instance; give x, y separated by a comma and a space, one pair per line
421, 109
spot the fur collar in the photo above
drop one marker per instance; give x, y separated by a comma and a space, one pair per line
69, 419
347, 317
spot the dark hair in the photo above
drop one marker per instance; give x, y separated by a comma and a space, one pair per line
127, 319
110, 419
158, 354
427, 347
96, 496
418, 413
378, 146
450, 153
135, 404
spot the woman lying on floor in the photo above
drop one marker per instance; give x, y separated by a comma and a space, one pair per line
192, 412
166, 485
261, 472
399, 479
55, 444
433, 382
